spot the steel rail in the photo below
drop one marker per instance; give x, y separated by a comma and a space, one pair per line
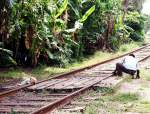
145, 58
67, 99
13, 91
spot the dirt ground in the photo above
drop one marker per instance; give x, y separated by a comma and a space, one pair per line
141, 87
132, 97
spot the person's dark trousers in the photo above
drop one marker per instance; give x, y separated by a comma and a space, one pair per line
120, 68
138, 74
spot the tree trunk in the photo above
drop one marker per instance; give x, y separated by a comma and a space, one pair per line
125, 8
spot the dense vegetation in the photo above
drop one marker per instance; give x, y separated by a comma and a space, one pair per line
147, 24
55, 32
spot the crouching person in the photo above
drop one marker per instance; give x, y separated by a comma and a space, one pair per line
129, 65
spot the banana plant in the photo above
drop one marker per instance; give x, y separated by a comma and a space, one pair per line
6, 58
62, 8
57, 24
87, 14
79, 23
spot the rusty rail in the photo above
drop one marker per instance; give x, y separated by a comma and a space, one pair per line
13, 91
66, 99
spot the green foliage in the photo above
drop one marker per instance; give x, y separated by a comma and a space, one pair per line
135, 5
147, 23
56, 31
114, 43
136, 36
62, 8
106, 26
6, 59
86, 15
105, 90
135, 21
125, 97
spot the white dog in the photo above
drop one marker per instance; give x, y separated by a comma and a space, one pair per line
28, 80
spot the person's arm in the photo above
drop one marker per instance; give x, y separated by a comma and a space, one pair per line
123, 61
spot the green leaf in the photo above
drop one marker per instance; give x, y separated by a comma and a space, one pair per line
129, 28
12, 60
50, 55
6, 50
62, 8
87, 14
1, 44
75, 9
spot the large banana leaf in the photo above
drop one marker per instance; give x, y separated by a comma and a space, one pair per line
6, 59
62, 8
87, 14
50, 55
74, 8
79, 24
6, 51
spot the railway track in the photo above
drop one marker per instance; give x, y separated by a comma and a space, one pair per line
47, 95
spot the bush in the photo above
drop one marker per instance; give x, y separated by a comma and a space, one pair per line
6, 59
114, 43
135, 21
136, 36
135, 25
